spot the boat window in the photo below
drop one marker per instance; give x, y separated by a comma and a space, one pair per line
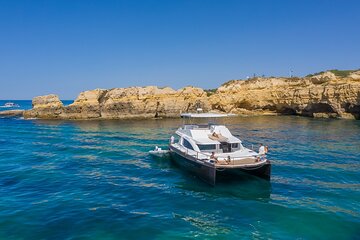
207, 147
187, 144
234, 145
225, 147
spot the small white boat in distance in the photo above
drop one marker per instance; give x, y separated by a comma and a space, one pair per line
10, 105
211, 151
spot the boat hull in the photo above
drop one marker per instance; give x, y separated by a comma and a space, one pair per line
206, 173
263, 171
209, 173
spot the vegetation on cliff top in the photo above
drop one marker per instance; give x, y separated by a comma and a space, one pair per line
210, 92
228, 83
339, 73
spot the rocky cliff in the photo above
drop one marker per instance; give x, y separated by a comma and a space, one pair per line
322, 95
119, 103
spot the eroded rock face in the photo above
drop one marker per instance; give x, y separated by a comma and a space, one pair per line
323, 78
48, 101
119, 103
148, 102
85, 106
322, 95
11, 113
355, 75
48, 106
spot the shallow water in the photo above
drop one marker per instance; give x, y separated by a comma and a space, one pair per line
95, 180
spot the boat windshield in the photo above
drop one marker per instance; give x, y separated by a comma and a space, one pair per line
229, 147
187, 144
206, 147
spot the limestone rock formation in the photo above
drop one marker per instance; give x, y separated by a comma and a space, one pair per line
85, 106
322, 95
48, 101
355, 75
11, 113
147, 102
323, 78
119, 103
48, 106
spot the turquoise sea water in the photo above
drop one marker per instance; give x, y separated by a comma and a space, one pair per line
95, 180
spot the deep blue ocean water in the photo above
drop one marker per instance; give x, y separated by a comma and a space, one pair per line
95, 180
24, 104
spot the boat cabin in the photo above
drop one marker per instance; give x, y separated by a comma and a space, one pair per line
208, 138
211, 150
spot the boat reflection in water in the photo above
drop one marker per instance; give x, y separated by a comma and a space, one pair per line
246, 187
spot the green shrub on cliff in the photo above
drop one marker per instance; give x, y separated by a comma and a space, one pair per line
313, 74
342, 73
339, 73
210, 92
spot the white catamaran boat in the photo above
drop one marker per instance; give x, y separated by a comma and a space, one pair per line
211, 151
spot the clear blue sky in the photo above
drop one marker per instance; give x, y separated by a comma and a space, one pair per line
65, 47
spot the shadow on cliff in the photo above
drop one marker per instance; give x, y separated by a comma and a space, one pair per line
354, 109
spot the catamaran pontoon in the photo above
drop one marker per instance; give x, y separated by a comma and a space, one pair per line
211, 150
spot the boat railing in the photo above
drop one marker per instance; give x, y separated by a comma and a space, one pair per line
197, 154
225, 160
194, 153
194, 126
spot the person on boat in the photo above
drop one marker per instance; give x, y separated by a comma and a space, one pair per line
215, 135
172, 139
222, 161
228, 160
213, 156
219, 161
262, 150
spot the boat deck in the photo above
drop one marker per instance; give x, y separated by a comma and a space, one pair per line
244, 158
245, 162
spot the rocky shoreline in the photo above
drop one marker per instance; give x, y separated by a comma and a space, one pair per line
322, 95
12, 113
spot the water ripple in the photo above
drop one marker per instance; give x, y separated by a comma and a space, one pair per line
95, 180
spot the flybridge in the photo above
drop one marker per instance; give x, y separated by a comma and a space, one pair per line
208, 134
